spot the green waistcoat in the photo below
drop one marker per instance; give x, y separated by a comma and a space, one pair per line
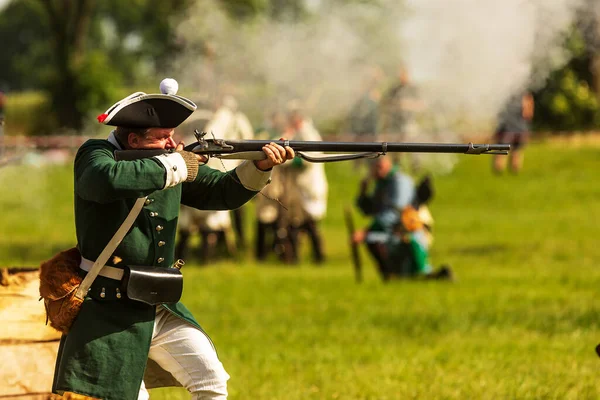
105, 353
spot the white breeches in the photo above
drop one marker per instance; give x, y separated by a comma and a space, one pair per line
188, 354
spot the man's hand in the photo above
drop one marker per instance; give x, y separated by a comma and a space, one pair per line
202, 159
359, 236
276, 155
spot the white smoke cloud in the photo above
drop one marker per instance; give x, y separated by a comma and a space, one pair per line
471, 55
321, 61
466, 56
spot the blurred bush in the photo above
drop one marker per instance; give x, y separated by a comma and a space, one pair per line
568, 102
26, 112
99, 85
33, 112
80, 58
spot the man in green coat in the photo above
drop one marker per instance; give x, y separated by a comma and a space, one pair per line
118, 347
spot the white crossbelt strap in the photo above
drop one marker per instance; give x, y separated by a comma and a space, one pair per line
106, 271
109, 249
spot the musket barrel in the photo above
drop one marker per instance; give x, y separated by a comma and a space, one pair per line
377, 147
219, 147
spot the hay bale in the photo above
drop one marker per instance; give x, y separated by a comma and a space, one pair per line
27, 346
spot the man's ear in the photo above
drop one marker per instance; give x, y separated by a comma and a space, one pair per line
133, 140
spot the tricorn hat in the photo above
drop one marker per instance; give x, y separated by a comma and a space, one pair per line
141, 110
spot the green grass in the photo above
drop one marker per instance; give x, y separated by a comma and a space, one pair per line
520, 323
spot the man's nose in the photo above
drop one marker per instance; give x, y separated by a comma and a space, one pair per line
170, 144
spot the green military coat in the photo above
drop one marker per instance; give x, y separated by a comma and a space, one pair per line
105, 353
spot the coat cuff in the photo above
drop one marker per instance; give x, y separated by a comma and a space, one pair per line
176, 168
251, 177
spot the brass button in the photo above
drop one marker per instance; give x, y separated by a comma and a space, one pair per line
148, 201
159, 228
153, 214
161, 243
161, 259
174, 167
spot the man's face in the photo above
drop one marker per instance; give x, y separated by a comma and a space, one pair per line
381, 168
295, 120
278, 121
404, 77
155, 138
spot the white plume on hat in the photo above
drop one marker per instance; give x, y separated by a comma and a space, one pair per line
169, 86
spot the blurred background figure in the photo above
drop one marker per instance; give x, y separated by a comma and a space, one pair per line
408, 249
399, 108
514, 128
216, 227
235, 125
400, 235
274, 128
270, 235
2, 105
393, 190
364, 115
305, 189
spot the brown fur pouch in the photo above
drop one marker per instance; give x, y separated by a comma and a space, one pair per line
59, 280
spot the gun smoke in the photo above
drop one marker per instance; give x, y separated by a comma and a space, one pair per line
467, 57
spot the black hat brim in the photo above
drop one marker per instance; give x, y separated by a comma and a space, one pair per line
142, 110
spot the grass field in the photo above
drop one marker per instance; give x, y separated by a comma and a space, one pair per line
521, 322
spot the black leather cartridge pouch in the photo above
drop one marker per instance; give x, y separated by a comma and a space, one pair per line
153, 285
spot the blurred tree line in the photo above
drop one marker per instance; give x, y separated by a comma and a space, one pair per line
85, 53
81, 51
570, 99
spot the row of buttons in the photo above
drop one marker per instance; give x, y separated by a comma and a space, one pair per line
159, 228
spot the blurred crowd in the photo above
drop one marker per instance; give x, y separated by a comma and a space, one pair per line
293, 205
291, 208
393, 112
